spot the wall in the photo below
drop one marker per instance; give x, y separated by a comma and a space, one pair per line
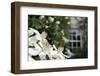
5, 42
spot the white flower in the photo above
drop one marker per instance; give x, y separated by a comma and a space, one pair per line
42, 56
58, 22
45, 45
54, 47
69, 53
53, 54
35, 44
32, 31
44, 34
41, 17
51, 19
56, 54
34, 39
60, 49
34, 52
43, 48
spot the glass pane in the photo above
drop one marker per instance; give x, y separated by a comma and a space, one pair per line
74, 38
78, 37
78, 44
74, 33
74, 44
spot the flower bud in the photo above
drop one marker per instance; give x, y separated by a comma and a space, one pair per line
58, 22
51, 19
46, 26
41, 17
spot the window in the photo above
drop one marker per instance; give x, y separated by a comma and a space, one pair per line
75, 40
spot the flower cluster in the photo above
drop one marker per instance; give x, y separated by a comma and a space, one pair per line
48, 36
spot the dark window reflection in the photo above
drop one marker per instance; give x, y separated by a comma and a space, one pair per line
78, 37
74, 44
74, 38
78, 44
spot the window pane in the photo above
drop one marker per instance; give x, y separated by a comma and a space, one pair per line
78, 37
74, 38
74, 33
74, 44
78, 44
